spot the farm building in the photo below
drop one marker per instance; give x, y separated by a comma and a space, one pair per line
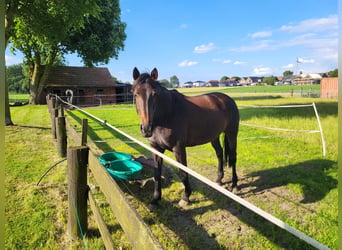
89, 86
123, 93
329, 88
307, 79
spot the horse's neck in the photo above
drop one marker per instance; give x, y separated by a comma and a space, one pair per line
166, 106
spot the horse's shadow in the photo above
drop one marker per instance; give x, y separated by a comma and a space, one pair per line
312, 177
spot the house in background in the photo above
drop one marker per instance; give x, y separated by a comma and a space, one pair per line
188, 84
198, 84
307, 79
288, 80
212, 83
90, 86
251, 80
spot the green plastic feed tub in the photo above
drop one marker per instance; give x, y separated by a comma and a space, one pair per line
120, 165
107, 158
124, 169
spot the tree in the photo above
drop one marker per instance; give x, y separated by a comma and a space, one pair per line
236, 77
53, 28
224, 78
333, 73
165, 83
42, 19
102, 38
17, 81
174, 82
288, 73
269, 80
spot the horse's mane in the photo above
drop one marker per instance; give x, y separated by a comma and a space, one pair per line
143, 77
146, 76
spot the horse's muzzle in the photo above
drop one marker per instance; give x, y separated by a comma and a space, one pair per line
146, 130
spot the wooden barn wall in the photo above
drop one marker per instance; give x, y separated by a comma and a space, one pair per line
329, 88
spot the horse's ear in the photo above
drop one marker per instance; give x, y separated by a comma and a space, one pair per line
154, 74
136, 73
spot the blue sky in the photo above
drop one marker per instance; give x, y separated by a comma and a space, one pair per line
205, 40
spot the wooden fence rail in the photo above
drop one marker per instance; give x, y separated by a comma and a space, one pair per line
137, 232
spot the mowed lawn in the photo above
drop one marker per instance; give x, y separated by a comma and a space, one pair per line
283, 173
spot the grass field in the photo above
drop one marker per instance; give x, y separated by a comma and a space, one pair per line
286, 175
252, 90
22, 98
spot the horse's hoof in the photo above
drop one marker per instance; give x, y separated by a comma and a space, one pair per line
219, 182
152, 206
183, 203
235, 190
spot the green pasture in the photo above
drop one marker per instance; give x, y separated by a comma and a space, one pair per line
22, 98
283, 89
285, 174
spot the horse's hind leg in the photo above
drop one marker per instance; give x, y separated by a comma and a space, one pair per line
231, 143
219, 153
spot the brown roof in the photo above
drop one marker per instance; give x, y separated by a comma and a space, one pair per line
79, 76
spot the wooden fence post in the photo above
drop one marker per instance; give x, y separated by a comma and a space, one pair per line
54, 114
51, 102
77, 161
60, 110
61, 136
84, 132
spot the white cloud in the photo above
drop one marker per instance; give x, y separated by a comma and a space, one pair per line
261, 34
302, 60
10, 60
308, 37
262, 70
313, 25
239, 63
226, 61
204, 48
289, 66
223, 61
187, 63
257, 46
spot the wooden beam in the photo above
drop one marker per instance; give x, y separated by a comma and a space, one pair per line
106, 236
135, 228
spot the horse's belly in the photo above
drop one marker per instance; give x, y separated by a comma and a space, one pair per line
204, 132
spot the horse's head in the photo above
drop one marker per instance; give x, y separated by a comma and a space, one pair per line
145, 90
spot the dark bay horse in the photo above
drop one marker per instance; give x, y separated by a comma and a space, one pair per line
173, 122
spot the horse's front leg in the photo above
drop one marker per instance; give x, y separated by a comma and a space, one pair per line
158, 162
180, 154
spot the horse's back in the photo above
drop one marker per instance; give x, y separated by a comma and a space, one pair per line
214, 101
208, 115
